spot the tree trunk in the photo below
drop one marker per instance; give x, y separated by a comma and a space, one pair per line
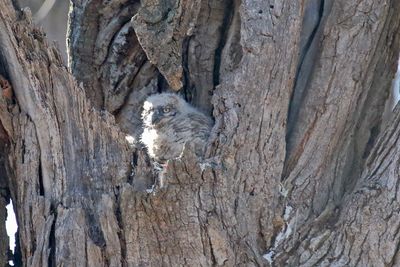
301, 168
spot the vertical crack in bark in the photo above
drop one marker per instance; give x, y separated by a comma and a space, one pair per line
3, 66
17, 259
303, 74
374, 133
162, 84
134, 164
52, 240
185, 66
213, 258
40, 177
298, 95
226, 23
121, 232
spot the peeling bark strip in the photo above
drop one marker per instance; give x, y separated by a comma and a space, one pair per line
320, 189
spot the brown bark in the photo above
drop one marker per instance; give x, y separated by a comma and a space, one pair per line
300, 170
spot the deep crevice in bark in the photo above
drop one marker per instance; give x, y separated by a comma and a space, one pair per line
298, 96
232, 52
3, 67
374, 133
17, 258
134, 164
52, 240
40, 178
162, 84
226, 23
213, 258
303, 72
120, 231
186, 91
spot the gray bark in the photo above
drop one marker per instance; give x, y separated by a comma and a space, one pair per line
300, 167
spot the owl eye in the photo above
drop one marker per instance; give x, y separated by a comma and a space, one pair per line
166, 109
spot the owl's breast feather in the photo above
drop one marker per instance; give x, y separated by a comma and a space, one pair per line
162, 145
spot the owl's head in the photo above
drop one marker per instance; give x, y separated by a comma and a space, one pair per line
161, 108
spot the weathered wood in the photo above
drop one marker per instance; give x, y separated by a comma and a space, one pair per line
299, 170
59, 159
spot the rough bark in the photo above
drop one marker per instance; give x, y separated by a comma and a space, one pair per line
58, 153
300, 168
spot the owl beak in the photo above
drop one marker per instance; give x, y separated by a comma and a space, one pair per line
156, 117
